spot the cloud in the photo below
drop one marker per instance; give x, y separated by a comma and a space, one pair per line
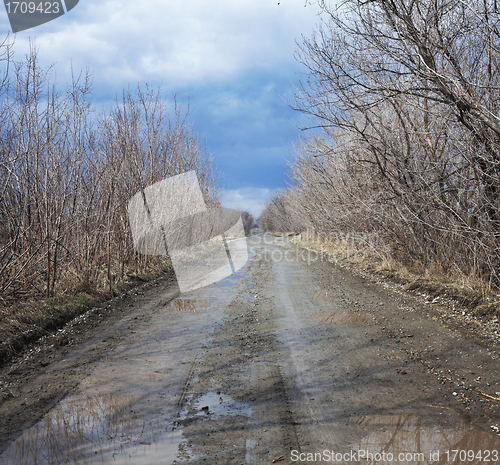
179, 43
251, 199
233, 60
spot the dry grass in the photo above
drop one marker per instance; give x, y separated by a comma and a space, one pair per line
466, 290
23, 321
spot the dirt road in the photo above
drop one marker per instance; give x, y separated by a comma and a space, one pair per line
292, 360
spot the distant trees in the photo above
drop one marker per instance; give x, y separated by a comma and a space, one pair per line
406, 93
248, 221
278, 214
67, 173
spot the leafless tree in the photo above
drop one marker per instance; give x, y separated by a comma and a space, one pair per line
406, 94
248, 221
67, 173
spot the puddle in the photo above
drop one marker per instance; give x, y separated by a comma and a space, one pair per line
407, 439
99, 430
230, 280
251, 451
342, 317
188, 305
126, 410
215, 404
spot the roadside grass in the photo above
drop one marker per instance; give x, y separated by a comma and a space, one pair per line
25, 320
470, 293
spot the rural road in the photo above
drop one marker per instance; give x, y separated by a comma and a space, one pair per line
292, 360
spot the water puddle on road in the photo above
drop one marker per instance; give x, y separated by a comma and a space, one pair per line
99, 430
215, 404
228, 281
106, 430
231, 280
407, 439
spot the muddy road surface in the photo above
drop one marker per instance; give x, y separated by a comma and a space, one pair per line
292, 360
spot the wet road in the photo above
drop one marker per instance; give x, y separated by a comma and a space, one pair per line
292, 360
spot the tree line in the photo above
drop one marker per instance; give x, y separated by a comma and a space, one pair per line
405, 99
68, 171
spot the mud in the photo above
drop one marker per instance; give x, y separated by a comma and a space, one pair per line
292, 360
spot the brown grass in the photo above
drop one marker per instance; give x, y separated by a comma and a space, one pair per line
24, 321
465, 290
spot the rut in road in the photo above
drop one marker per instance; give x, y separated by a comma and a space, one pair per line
289, 358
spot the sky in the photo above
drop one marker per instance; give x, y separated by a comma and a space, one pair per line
232, 60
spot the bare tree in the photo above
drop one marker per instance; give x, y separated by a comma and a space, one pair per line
248, 221
68, 172
406, 93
